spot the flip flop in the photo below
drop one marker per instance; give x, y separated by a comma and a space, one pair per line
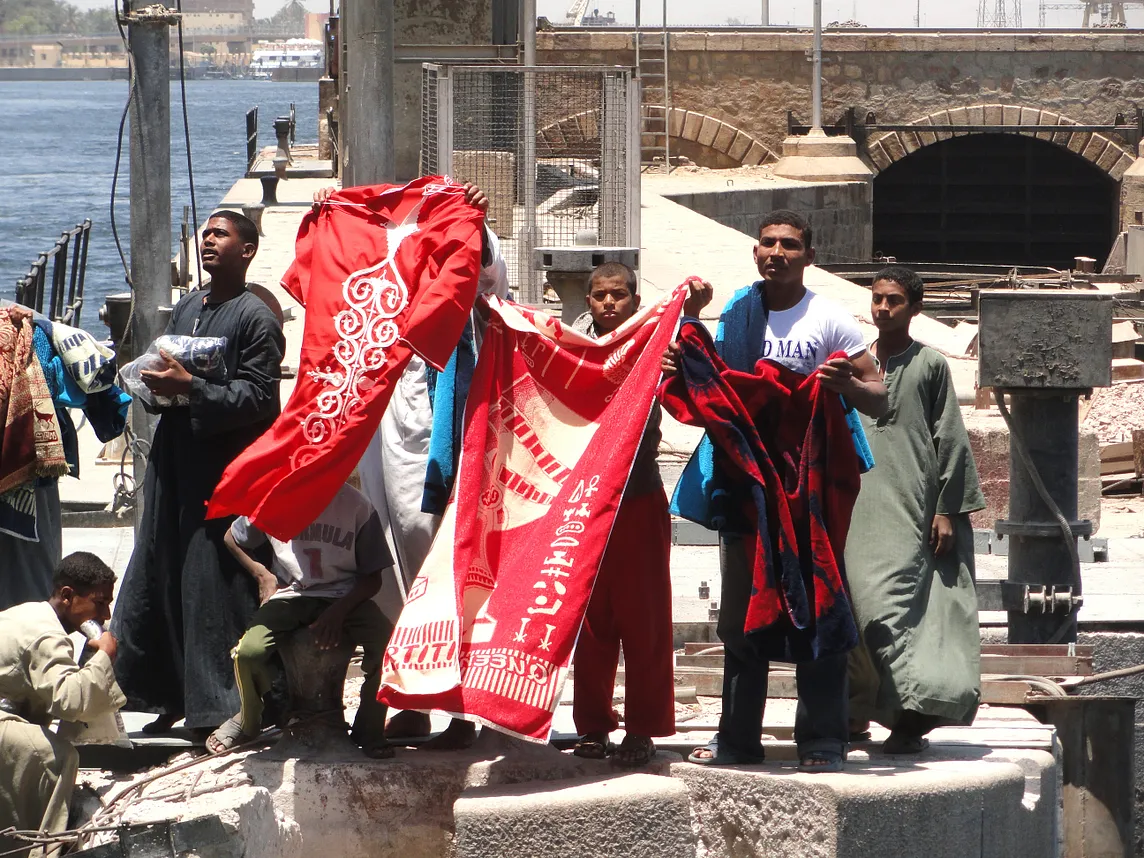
593, 749
721, 758
634, 752
820, 762
228, 735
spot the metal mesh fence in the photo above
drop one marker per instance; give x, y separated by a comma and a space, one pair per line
555, 149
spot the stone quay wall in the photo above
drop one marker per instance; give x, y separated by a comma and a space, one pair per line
749, 80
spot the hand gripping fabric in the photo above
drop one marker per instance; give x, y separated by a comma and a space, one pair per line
785, 448
384, 272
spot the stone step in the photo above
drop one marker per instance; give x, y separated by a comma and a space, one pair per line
636, 815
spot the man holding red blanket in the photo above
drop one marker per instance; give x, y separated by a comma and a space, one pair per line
779, 482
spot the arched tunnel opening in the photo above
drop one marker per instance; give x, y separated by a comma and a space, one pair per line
994, 199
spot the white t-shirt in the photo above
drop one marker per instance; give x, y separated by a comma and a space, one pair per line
802, 337
324, 560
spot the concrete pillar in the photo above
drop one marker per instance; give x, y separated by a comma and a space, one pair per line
149, 40
1048, 425
816, 157
368, 115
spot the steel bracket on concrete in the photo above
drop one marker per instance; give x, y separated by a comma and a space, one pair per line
1026, 598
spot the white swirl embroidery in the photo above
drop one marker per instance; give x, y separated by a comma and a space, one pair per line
374, 297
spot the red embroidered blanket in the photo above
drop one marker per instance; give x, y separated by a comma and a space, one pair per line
552, 426
383, 272
783, 442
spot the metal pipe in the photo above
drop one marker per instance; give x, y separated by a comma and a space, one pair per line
528, 238
367, 131
149, 40
766, 13
816, 87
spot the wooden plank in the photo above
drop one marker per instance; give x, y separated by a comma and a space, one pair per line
1006, 693
685, 661
1080, 650
1036, 665
1117, 458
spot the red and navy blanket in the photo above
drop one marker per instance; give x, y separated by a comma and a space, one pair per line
787, 457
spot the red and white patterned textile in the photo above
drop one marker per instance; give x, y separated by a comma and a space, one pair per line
552, 426
384, 272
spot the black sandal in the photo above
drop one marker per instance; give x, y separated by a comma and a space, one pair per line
634, 752
594, 746
820, 761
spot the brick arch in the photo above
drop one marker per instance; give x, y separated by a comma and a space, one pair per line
570, 133
1109, 155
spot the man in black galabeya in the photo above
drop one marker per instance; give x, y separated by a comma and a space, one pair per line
184, 600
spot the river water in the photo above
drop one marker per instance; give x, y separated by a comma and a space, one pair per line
57, 156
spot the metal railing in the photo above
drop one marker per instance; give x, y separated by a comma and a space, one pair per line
65, 299
251, 137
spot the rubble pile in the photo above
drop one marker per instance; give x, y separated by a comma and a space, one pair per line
1116, 411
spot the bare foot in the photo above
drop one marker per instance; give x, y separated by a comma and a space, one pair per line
457, 736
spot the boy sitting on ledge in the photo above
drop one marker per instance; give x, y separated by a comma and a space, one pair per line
323, 578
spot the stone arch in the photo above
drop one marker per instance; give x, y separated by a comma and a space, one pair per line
1109, 155
569, 134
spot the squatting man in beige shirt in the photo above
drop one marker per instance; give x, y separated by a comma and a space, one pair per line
40, 681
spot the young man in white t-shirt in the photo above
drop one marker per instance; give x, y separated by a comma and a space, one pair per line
323, 578
799, 330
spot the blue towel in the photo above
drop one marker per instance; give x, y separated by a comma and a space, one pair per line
448, 392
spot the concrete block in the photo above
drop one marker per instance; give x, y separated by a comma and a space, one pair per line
1121, 166
691, 125
1010, 115
1079, 141
708, 130
675, 121
982, 540
724, 138
739, 146
755, 155
892, 143
994, 114
1110, 157
637, 815
688, 41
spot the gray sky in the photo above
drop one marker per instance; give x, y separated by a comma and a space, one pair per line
873, 13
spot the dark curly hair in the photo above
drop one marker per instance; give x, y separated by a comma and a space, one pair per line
905, 277
83, 572
785, 217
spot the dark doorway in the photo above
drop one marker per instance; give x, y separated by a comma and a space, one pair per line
995, 199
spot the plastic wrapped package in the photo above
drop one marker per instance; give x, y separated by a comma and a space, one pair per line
200, 356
